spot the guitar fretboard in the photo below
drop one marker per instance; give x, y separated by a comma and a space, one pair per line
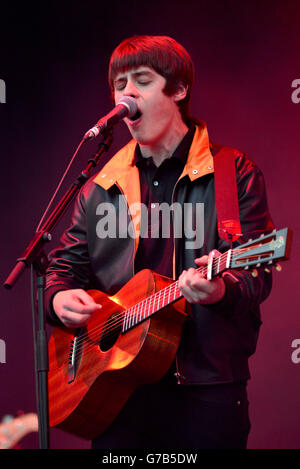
151, 305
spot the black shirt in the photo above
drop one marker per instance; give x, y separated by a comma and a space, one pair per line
155, 250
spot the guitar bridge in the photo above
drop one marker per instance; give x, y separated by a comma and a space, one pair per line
74, 357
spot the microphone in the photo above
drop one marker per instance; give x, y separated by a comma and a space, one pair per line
126, 106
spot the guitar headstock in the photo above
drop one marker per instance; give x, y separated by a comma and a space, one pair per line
268, 249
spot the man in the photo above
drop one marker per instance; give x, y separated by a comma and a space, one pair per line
202, 400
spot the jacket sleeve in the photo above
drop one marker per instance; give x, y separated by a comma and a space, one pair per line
243, 291
69, 265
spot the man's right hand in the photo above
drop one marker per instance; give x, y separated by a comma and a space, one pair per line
74, 307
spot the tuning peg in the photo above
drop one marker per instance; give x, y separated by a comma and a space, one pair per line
267, 270
278, 267
254, 273
258, 264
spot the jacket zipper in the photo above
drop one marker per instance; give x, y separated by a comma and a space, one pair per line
179, 377
128, 211
177, 374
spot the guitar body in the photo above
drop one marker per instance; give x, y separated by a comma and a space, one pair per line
133, 340
88, 389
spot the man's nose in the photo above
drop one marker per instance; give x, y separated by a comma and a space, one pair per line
130, 89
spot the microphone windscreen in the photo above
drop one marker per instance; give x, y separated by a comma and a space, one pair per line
130, 103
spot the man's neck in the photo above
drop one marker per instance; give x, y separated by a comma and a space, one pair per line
165, 148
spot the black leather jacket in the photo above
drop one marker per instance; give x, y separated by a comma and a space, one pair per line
218, 339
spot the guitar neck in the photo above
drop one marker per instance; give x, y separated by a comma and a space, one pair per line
168, 295
264, 250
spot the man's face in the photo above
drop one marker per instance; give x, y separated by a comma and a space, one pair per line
158, 111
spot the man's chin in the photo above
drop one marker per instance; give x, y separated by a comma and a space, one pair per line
138, 136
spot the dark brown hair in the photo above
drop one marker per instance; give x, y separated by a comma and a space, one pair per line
164, 55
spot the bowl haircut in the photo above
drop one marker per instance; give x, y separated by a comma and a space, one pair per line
161, 53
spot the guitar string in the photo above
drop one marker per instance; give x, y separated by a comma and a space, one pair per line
150, 301
118, 319
109, 331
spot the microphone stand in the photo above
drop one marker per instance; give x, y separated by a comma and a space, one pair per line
35, 257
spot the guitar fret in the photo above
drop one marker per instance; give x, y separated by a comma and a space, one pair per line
158, 306
125, 321
140, 311
178, 292
130, 319
145, 304
228, 258
164, 297
160, 302
134, 322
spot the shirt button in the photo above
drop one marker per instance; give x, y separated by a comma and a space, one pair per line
153, 205
195, 171
209, 167
155, 183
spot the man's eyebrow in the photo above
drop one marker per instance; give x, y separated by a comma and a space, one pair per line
119, 79
142, 72
135, 74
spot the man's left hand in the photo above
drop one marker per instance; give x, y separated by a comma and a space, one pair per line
196, 289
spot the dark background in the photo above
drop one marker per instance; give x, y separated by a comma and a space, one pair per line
54, 58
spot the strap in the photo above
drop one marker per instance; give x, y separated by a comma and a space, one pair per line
229, 226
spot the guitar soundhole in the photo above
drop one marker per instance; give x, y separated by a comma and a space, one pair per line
111, 331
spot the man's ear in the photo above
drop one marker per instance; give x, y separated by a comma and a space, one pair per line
180, 93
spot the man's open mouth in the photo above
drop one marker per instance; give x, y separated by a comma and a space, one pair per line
136, 116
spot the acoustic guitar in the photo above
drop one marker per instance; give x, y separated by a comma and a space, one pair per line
94, 369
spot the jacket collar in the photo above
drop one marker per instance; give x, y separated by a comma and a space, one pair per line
121, 166
122, 171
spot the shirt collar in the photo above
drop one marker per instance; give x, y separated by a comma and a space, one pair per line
181, 151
